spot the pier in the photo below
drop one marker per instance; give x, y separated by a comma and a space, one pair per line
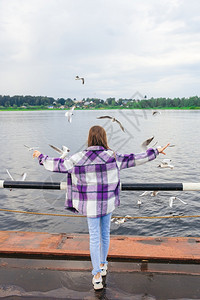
40, 265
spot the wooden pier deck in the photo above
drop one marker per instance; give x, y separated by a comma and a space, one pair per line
62, 246
40, 265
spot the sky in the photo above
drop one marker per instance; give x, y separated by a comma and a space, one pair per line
120, 47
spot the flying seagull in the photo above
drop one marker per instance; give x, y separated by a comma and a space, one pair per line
113, 120
64, 151
80, 78
156, 112
69, 114
171, 199
22, 177
31, 148
146, 143
166, 164
170, 146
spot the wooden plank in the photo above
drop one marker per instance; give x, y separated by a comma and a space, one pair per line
44, 244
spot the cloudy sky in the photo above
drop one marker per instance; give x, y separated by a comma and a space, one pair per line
118, 46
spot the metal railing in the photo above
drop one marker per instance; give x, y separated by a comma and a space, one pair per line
124, 186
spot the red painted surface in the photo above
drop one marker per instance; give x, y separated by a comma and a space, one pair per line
121, 247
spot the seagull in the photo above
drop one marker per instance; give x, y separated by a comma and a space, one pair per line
139, 202
113, 120
69, 114
171, 199
64, 151
22, 178
120, 221
166, 164
31, 148
170, 146
145, 144
80, 78
156, 112
152, 193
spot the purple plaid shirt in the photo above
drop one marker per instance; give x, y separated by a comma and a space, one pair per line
93, 182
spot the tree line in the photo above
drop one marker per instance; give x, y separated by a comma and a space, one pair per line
40, 101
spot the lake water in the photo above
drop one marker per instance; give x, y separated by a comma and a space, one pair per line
41, 128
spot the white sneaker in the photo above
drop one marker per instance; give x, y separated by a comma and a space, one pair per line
97, 283
104, 270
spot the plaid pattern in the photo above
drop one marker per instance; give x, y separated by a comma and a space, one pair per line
93, 177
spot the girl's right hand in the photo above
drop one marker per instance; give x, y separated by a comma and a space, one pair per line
161, 150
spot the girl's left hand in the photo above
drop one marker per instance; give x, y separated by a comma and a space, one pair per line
161, 150
36, 153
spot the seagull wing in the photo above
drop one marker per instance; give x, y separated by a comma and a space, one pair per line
65, 149
147, 142
171, 199
181, 200
56, 149
23, 176
65, 152
113, 219
117, 222
154, 113
73, 107
166, 161
122, 128
9, 175
104, 117
83, 80
120, 221
145, 193
31, 148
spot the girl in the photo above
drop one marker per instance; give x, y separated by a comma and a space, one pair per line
93, 186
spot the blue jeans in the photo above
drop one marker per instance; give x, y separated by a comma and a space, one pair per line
99, 230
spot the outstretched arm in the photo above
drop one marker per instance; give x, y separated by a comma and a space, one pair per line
132, 160
57, 164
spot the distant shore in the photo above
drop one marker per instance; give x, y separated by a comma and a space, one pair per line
102, 108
